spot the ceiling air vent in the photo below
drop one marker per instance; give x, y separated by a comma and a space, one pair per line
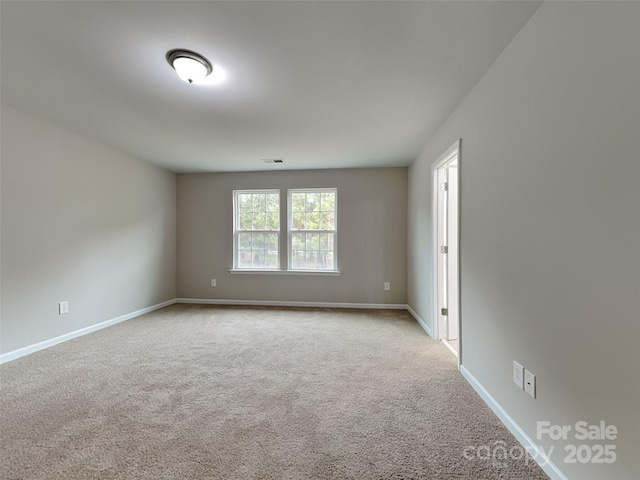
272, 160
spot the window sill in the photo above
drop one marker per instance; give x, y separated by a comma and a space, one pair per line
327, 273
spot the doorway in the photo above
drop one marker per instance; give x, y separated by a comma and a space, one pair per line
446, 251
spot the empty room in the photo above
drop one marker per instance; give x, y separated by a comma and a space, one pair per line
320, 240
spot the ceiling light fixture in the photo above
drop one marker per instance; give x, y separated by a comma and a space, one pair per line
190, 66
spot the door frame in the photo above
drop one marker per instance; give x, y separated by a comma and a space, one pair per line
453, 151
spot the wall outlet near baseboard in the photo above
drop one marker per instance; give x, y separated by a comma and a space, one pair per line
518, 374
214, 283
530, 383
63, 307
387, 285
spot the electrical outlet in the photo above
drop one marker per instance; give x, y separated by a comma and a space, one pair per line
518, 374
530, 383
213, 282
63, 307
387, 285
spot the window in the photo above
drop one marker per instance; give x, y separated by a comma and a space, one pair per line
256, 229
312, 229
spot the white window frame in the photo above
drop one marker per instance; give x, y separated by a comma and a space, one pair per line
237, 231
290, 230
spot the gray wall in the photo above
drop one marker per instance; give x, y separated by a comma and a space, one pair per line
81, 223
550, 244
372, 226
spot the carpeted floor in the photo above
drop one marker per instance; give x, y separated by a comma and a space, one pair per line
203, 392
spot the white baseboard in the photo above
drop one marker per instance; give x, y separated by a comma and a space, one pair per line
278, 303
422, 323
21, 352
450, 348
538, 455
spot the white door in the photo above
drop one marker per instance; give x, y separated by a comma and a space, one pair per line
452, 251
446, 252
442, 263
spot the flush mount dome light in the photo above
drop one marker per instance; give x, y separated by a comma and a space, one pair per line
190, 66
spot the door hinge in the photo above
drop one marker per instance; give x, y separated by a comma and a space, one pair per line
444, 249
444, 186
444, 312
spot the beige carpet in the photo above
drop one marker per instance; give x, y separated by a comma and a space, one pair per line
199, 392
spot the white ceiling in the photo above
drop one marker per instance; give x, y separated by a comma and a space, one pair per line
319, 84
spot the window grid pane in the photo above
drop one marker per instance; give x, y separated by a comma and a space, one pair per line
312, 230
257, 234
